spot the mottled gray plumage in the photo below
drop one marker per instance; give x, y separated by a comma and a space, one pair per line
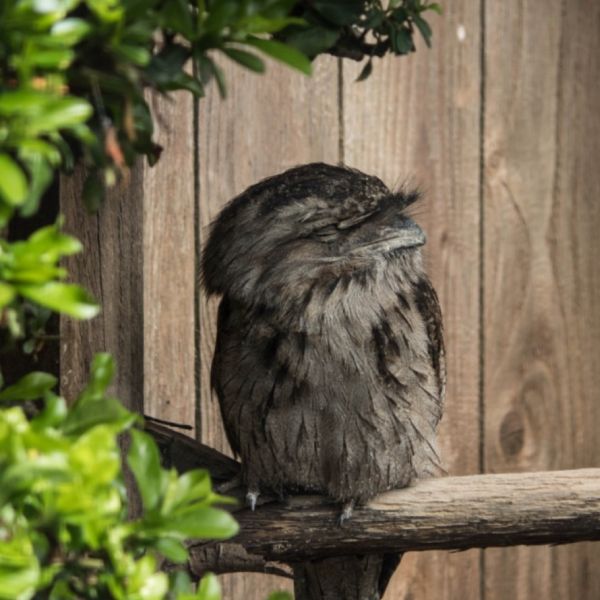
329, 361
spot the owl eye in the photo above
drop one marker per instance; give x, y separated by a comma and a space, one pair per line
355, 220
329, 233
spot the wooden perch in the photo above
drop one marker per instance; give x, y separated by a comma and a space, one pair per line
450, 513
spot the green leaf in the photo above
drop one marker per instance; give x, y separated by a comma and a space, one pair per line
102, 372
184, 81
41, 177
19, 568
23, 103
13, 183
280, 596
248, 60
340, 13
180, 585
261, 24
312, 40
168, 61
137, 55
48, 244
365, 71
401, 40
172, 549
60, 113
201, 523
70, 31
54, 412
6, 213
177, 16
190, 487
143, 459
424, 28
7, 293
283, 53
209, 588
435, 7
106, 411
32, 386
67, 298
59, 58
222, 13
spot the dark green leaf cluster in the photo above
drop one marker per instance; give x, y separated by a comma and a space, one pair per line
64, 531
359, 29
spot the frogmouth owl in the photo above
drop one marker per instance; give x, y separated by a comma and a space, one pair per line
329, 359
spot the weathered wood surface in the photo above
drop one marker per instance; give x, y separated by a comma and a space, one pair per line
450, 513
541, 218
111, 268
170, 280
265, 125
417, 120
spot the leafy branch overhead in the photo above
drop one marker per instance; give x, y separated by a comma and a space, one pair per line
73, 72
72, 81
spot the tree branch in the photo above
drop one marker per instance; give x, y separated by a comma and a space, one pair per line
451, 513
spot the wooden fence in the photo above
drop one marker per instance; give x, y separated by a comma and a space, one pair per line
499, 124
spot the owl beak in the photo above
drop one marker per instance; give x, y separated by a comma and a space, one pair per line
408, 234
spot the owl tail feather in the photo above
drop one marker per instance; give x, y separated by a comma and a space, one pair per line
345, 577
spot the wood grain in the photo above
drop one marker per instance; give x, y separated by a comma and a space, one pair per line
416, 120
110, 267
453, 513
542, 315
169, 264
267, 124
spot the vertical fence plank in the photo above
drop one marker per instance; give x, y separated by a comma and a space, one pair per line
417, 119
265, 125
169, 264
110, 267
542, 313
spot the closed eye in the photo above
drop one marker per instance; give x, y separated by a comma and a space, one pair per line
329, 233
355, 220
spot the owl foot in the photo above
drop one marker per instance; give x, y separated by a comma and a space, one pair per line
346, 513
251, 498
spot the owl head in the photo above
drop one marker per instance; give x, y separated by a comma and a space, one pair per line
309, 224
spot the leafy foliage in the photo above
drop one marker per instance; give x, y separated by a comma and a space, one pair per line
29, 269
63, 516
73, 75
359, 29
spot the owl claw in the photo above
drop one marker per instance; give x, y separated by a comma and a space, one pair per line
251, 498
346, 513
